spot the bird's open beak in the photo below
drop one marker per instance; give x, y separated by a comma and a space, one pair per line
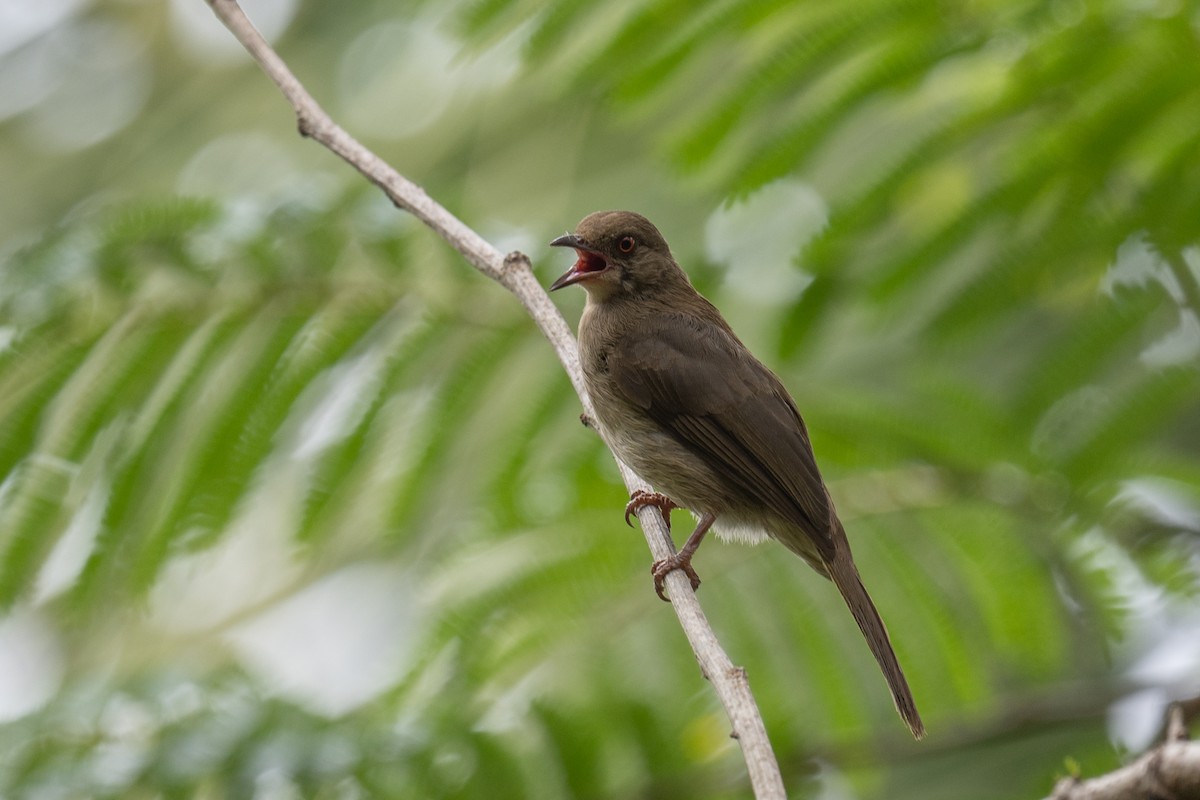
589, 263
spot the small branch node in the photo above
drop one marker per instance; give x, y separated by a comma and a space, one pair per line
1062, 789
1176, 726
304, 125
514, 261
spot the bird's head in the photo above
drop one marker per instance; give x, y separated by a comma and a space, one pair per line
619, 252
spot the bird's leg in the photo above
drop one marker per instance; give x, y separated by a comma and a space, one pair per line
683, 559
641, 498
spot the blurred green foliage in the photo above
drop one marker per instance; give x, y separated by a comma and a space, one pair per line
231, 376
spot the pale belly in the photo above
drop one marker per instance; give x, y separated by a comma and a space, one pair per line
676, 472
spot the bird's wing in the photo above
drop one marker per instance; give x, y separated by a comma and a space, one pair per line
698, 382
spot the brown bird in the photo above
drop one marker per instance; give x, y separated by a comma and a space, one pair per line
685, 404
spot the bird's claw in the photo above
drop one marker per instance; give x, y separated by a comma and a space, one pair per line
660, 570
641, 498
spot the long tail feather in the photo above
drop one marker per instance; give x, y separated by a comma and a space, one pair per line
845, 576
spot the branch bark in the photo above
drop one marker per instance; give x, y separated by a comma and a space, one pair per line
1170, 771
515, 273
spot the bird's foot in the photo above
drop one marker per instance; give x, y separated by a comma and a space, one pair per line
681, 560
641, 498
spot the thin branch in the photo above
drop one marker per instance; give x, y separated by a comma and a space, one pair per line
515, 274
1170, 771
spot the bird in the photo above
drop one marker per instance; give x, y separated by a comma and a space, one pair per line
681, 400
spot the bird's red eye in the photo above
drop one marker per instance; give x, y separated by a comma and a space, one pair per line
626, 244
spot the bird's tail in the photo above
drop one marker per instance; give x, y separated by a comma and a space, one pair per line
845, 576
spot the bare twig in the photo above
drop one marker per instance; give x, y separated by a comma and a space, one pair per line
515, 273
1170, 771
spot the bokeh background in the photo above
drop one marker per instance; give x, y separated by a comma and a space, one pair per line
295, 504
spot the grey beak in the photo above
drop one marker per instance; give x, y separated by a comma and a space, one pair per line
569, 240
